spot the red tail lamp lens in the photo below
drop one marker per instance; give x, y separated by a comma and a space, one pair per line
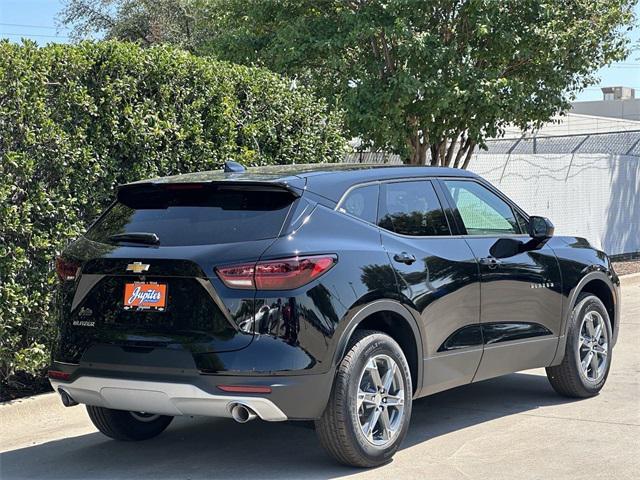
66, 269
238, 276
291, 273
284, 274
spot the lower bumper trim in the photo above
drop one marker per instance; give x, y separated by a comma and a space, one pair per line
162, 398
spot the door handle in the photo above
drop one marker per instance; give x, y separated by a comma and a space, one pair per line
404, 257
490, 262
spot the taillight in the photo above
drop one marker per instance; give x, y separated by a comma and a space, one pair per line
66, 269
237, 276
284, 274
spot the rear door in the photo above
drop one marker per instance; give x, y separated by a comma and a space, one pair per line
135, 292
438, 277
521, 304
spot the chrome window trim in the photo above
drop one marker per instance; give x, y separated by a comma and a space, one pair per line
504, 198
348, 191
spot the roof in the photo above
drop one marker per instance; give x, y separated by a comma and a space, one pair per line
330, 180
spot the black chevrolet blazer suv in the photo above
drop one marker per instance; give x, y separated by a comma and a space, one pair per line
332, 293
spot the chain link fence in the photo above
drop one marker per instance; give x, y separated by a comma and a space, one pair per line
614, 143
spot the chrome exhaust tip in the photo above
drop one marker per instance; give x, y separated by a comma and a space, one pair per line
67, 401
241, 413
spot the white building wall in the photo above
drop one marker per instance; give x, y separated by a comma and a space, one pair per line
595, 196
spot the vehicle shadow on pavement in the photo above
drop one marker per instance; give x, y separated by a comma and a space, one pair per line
220, 448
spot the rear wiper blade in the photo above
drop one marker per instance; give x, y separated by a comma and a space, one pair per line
136, 237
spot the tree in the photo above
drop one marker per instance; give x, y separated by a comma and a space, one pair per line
425, 79
146, 21
77, 120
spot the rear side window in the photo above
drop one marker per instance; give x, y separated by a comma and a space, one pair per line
362, 202
196, 214
412, 208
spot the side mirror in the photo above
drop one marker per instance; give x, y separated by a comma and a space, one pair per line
540, 228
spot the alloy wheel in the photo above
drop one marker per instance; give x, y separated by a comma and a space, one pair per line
380, 403
593, 346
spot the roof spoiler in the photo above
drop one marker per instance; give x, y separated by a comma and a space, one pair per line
123, 191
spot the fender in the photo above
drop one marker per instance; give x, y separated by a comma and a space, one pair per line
353, 319
571, 302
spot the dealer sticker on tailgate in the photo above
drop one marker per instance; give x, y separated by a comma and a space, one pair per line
145, 296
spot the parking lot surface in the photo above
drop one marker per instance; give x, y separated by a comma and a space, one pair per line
514, 427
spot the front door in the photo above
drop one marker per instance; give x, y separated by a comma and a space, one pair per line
438, 279
521, 303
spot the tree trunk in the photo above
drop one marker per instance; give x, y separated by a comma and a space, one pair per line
417, 149
470, 148
442, 152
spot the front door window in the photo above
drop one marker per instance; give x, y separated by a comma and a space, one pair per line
482, 211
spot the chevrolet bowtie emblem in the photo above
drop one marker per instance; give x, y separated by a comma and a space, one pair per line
137, 267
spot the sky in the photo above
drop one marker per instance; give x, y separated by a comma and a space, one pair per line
36, 19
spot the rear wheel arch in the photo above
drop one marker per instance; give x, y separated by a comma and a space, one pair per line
393, 319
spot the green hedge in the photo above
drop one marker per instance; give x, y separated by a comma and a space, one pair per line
77, 120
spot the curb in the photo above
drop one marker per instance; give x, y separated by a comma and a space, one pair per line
630, 279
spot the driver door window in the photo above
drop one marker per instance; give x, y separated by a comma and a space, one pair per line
482, 211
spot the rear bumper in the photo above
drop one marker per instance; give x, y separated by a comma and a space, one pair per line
162, 398
292, 397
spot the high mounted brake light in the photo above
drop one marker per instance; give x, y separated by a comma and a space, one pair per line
282, 274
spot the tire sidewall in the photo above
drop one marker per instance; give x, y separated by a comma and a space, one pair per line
369, 347
585, 305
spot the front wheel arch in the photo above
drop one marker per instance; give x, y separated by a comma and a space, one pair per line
603, 285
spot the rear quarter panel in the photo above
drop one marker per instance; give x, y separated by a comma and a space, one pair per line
303, 327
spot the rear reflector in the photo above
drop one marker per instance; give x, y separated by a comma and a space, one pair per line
58, 375
284, 274
244, 389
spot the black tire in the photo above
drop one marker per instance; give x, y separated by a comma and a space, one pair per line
568, 378
128, 426
339, 428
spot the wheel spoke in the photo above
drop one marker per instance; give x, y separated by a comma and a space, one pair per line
586, 361
366, 397
372, 368
594, 365
601, 349
371, 423
387, 381
395, 400
386, 424
590, 326
598, 332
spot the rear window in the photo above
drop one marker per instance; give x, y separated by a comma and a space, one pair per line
196, 214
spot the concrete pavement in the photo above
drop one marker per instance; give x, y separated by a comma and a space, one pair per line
506, 428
